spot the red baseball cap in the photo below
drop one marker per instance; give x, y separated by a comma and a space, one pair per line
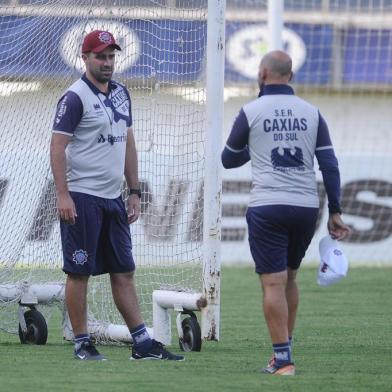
97, 41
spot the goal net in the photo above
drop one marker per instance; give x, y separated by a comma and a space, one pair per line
342, 62
163, 65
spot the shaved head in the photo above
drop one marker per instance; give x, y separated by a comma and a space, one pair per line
275, 68
277, 62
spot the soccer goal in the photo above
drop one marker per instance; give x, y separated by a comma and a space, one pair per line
172, 62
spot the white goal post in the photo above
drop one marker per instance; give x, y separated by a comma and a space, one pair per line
212, 182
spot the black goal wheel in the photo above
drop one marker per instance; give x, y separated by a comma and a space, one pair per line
37, 329
191, 340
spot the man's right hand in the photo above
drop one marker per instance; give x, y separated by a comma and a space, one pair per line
66, 208
337, 229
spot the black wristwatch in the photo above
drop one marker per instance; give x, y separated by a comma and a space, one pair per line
134, 191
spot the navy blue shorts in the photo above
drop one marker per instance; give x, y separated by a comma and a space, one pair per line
100, 240
279, 236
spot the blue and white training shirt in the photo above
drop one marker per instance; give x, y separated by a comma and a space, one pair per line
281, 133
98, 124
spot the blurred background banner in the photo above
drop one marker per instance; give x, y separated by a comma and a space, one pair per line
247, 42
165, 50
368, 56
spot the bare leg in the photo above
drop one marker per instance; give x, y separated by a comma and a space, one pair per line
76, 301
275, 305
292, 297
125, 298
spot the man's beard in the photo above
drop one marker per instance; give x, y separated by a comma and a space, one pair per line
103, 78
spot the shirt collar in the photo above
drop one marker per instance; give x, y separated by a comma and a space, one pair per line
274, 89
96, 90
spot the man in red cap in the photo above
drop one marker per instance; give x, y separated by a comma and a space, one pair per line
92, 149
97, 41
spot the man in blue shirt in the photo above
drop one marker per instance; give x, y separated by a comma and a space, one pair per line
280, 134
92, 149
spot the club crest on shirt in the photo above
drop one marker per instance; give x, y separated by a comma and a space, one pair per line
119, 97
80, 257
286, 158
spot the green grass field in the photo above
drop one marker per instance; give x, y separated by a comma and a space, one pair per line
342, 342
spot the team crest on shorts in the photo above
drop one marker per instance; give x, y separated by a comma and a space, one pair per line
80, 256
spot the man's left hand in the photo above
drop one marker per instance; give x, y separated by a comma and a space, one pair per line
337, 229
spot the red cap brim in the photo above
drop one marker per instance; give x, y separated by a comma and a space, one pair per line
102, 47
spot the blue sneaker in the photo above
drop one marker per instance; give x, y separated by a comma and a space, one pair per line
88, 352
157, 351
